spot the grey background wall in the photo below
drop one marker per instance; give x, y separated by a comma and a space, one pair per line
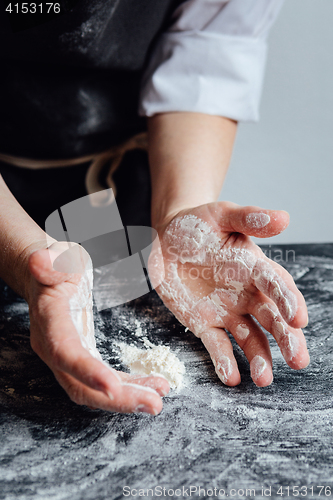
286, 160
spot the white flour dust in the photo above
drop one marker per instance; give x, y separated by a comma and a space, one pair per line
153, 360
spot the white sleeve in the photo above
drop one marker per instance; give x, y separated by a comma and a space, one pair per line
211, 60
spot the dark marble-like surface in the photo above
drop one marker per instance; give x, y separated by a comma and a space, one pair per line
208, 435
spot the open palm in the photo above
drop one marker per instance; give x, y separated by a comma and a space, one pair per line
62, 334
217, 279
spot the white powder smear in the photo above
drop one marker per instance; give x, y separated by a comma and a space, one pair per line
154, 360
196, 242
270, 309
267, 280
292, 346
257, 220
280, 329
194, 239
287, 341
242, 332
82, 315
223, 368
258, 366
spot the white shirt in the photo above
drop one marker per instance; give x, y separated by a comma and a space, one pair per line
211, 60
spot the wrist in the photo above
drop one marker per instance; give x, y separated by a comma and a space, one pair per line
22, 277
20, 236
189, 155
167, 208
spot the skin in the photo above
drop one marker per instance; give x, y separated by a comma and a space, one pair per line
188, 170
189, 154
257, 297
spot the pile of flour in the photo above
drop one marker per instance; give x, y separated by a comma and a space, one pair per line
153, 360
150, 360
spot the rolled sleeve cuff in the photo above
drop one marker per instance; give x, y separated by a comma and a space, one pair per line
206, 73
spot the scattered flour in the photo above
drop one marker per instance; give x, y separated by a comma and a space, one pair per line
138, 331
154, 360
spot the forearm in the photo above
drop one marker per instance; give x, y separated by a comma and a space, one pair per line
189, 154
19, 237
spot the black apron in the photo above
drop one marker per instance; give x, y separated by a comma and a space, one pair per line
70, 87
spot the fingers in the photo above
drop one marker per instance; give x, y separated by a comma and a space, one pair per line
220, 349
54, 338
253, 341
91, 382
131, 398
58, 263
56, 341
139, 398
156, 382
87, 380
275, 282
291, 341
252, 221
70, 357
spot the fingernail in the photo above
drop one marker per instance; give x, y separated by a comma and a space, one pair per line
223, 368
258, 220
289, 347
111, 396
280, 328
145, 409
258, 365
293, 344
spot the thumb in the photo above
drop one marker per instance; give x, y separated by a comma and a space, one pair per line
60, 262
253, 221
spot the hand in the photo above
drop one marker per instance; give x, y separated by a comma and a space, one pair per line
216, 278
62, 334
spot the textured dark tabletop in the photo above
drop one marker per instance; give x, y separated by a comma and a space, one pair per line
207, 435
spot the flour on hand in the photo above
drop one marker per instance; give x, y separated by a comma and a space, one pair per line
81, 312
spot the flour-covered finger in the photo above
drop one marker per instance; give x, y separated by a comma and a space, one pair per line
250, 220
132, 398
156, 382
253, 341
81, 394
73, 359
139, 399
301, 318
220, 349
274, 281
60, 348
291, 341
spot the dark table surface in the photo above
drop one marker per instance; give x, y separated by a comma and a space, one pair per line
207, 435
